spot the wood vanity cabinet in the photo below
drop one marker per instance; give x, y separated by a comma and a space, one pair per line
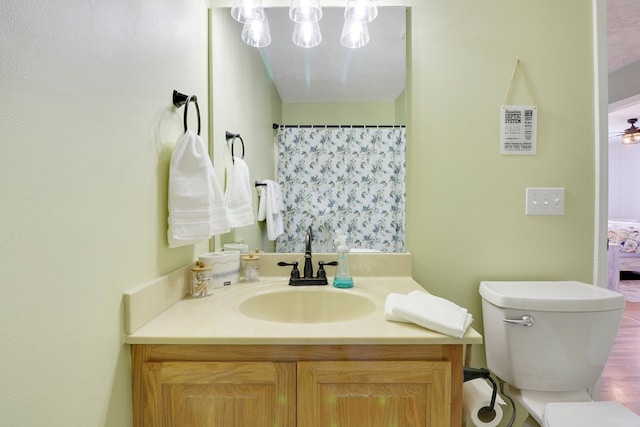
233, 394
297, 385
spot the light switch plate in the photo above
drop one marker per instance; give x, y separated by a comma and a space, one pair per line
544, 201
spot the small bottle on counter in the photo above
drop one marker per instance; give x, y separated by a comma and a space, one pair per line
343, 278
251, 267
201, 280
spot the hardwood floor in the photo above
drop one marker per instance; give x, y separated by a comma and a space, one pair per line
620, 379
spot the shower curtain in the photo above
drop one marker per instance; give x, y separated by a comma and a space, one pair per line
349, 179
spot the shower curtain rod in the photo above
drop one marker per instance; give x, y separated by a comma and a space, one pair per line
276, 126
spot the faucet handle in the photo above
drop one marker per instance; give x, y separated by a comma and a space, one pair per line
295, 273
321, 272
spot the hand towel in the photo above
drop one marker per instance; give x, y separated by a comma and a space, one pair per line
393, 300
428, 311
237, 195
196, 205
271, 208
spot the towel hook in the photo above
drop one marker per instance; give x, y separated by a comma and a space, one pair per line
232, 137
180, 99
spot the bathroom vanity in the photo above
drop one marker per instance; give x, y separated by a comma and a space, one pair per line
234, 358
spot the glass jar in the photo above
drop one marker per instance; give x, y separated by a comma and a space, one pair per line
201, 280
251, 267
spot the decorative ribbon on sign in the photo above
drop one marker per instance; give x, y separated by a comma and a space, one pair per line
526, 82
518, 123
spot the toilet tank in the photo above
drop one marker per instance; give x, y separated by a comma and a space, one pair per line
574, 328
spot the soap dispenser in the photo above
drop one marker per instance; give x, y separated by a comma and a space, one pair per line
342, 278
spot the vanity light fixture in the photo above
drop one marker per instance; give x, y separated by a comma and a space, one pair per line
256, 33
306, 14
302, 11
632, 134
355, 34
307, 34
363, 11
247, 10
357, 15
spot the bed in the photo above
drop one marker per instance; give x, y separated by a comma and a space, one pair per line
624, 250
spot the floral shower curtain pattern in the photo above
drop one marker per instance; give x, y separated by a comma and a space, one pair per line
351, 179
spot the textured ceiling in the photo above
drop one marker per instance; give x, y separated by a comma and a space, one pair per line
332, 73
623, 32
623, 45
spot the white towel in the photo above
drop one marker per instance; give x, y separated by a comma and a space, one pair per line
237, 195
428, 311
271, 208
196, 206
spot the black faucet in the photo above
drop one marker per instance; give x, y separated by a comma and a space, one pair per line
307, 279
308, 266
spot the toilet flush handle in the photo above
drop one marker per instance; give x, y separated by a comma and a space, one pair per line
525, 320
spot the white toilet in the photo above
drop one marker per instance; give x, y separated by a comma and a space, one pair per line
550, 341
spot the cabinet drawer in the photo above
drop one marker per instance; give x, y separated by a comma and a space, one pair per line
629, 264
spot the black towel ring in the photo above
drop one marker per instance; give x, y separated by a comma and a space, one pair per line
180, 99
232, 137
241, 141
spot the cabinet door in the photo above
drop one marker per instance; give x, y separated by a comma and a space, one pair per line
374, 394
212, 394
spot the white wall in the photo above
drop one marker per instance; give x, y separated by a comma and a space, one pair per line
624, 174
86, 132
624, 181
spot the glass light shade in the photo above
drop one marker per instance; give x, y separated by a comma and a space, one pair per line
305, 11
631, 138
247, 10
307, 34
256, 33
355, 34
361, 10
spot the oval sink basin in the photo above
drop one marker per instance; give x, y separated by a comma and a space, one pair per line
307, 306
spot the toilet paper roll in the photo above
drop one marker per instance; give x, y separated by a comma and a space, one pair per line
476, 394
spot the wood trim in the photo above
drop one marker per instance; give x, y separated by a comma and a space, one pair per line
453, 353
139, 354
178, 352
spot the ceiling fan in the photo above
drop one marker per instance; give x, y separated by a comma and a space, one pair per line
632, 134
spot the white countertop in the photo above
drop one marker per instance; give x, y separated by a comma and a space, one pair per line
217, 319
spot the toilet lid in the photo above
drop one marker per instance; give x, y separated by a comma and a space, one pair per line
589, 414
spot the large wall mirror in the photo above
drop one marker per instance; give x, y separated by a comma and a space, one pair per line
251, 89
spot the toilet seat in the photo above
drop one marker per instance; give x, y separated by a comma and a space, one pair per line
535, 402
588, 414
